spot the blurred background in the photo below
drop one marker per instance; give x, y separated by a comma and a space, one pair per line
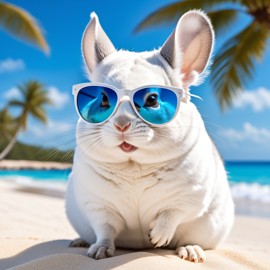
40, 60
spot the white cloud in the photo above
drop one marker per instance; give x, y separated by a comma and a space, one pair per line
12, 93
248, 132
11, 65
258, 99
232, 134
59, 99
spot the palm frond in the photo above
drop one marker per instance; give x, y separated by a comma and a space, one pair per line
15, 102
39, 113
34, 98
22, 25
172, 12
41, 100
5, 116
255, 4
234, 64
222, 19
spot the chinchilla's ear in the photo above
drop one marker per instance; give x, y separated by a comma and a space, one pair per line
95, 43
190, 46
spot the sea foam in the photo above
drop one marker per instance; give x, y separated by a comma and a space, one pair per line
251, 191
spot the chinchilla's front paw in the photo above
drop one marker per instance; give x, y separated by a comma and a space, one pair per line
193, 253
101, 250
160, 234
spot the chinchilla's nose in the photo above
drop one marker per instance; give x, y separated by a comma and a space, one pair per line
124, 116
122, 126
122, 123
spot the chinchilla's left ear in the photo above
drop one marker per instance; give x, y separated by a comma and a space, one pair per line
95, 43
190, 46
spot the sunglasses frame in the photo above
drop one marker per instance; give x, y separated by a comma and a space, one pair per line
121, 93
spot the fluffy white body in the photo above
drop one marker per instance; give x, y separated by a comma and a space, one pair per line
171, 189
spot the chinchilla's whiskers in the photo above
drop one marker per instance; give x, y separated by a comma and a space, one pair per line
109, 131
214, 134
171, 144
88, 131
138, 131
168, 142
212, 124
167, 145
66, 158
87, 139
62, 141
89, 146
90, 138
94, 143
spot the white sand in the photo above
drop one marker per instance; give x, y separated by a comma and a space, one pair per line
29, 164
34, 234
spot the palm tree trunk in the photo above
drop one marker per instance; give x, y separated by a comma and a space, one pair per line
10, 145
12, 142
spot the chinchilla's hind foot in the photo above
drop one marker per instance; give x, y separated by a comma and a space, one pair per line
101, 250
79, 242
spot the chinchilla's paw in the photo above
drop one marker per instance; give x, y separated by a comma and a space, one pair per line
191, 253
161, 234
79, 242
101, 250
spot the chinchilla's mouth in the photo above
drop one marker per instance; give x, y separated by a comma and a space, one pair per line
126, 147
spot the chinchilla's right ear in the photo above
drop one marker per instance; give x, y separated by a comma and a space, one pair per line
95, 43
189, 47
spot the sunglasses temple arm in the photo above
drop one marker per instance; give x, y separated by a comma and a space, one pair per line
192, 95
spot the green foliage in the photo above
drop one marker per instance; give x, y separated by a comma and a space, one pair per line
172, 12
32, 102
33, 99
22, 25
222, 19
7, 124
26, 152
234, 64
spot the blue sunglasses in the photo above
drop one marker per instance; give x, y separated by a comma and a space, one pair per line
154, 104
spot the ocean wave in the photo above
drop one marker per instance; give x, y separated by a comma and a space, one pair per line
251, 191
49, 187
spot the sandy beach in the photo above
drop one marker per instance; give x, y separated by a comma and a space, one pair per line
29, 164
34, 234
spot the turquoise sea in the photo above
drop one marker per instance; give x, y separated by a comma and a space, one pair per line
249, 181
36, 175
238, 171
249, 172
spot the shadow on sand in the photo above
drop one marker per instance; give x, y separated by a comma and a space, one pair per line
57, 255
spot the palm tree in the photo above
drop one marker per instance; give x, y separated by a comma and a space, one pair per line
34, 98
234, 64
22, 25
7, 124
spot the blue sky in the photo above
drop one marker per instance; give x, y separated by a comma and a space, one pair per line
241, 132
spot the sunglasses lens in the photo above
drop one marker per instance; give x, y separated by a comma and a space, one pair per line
96, 103
156, 105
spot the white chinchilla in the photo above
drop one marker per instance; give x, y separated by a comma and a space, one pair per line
137, 186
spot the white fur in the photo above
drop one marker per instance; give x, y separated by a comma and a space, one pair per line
173, 187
